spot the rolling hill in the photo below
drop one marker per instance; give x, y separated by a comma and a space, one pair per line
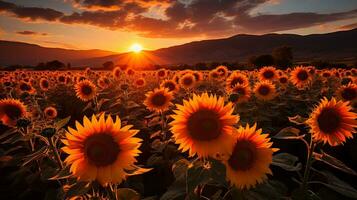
30, 54
336, 46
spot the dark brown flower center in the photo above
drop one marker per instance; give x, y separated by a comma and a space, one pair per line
86, 90
61, 79
130, 72
161, 73
170, 86
158, 99
140, 82
50, 112
44, 84
349, 94
329, 120
243, 156
268, 74
12, 111
346, 81
7, 84
204, 125
326, 74
237, 80
187, 81
106, 81
101, 149
302, 75
264, 90
25, 87
283, 80
117, 73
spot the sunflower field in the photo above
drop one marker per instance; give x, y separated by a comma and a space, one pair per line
170, 135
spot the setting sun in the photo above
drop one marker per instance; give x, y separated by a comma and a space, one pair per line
136, 48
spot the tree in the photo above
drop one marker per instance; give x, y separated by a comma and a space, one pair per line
262, 60
52, 65
200, 66
283, 57
108, 65
354, 64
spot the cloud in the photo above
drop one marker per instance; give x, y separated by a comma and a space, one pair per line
180, 18
348, 26
273, 23
31, 33
31, 13
60, 44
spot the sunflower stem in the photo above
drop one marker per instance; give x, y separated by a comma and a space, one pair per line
96, 105
54, 150
310, 151
163, 125
113, 191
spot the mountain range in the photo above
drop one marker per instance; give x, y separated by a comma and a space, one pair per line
336, 46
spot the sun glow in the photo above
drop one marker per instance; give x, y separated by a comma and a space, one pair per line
136, 48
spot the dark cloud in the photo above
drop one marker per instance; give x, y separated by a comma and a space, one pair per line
31, 33
273, 23
180, 18
33, 13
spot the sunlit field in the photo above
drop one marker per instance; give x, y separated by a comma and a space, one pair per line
164, 134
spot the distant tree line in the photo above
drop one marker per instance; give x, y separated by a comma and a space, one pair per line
281, 57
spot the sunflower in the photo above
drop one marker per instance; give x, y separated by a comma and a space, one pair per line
240, 93
332, 122
85, 90
26, 87
198, 76
222, 70
103, 82
130, 72
140, 82
161, 73
311, 70
170, 85
267, 74
116, 72
203, 125
214, 75
61, 79
44, 84
176, 78
348, 92
187, 81
248, 163
283, 80
236, 78
88, 70
326, 74
346, 80
265, 91
158, 100
300, 77
101, 150
11, 110
50, 112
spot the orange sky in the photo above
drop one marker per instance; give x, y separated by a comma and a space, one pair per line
103, 24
